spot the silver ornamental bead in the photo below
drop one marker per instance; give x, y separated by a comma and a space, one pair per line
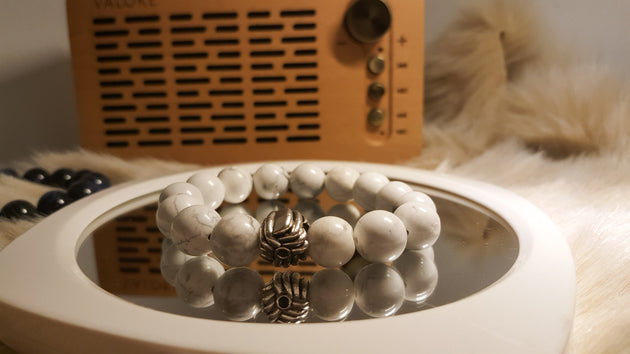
283, 238
285, 298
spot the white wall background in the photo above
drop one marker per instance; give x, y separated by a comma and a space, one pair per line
37, 109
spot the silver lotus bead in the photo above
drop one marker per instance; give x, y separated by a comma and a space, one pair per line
283, 238
285, 298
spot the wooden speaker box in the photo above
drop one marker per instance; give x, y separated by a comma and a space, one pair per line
226, 81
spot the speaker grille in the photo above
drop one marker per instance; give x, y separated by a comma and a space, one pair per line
234, 75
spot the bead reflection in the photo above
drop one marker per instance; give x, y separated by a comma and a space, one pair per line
195, 281
172, 260
310, 208
231, 209
266, 207
237, 293
379, 290
348, 212
419, 274
331, 294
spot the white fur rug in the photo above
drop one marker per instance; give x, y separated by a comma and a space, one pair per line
504, 107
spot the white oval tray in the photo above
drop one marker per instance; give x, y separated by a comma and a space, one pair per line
48, 304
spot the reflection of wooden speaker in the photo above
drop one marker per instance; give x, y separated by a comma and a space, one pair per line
129, 247
243, 80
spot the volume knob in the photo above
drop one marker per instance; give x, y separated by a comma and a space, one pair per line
368, 20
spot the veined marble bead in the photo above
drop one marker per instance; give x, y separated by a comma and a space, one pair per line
388, 195
237, 293
421, 222
192, 227
367, 187
380, 236
238, 184
339, 183
166, 243
307, 181
416, 196
331, 294
170, 207
419, 274
234, 240
181, 188
379, 290
270, 181
210, 186
195, 281
331, 242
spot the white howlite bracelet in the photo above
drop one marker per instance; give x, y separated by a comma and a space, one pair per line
396, 218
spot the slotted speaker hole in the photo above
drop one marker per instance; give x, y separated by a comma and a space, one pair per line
135, 64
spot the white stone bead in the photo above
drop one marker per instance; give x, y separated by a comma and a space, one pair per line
388, 195
237, 293
415, 196
419, 274
171, 261
331, 294
307, 181
422, 224
348, 212
170, 207
366, 187
181, 188
331, 242
310, 209
380, 236
210, 186
339, 183
238, 184
266, 207
379, 290
234, 240
196, 279
192, 227
270, 181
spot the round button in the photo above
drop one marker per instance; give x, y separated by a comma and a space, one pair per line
376, 65
368, 20
376, 91
375, 117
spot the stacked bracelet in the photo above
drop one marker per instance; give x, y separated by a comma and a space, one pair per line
406, 219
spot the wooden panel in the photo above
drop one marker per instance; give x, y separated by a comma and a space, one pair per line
229, 81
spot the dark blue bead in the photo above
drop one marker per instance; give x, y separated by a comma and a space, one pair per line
18, 209
8, 171
52, 201
82, 188
37, 175
62, 177
98, 179
81, 173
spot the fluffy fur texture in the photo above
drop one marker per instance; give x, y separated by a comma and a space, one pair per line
503, 108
